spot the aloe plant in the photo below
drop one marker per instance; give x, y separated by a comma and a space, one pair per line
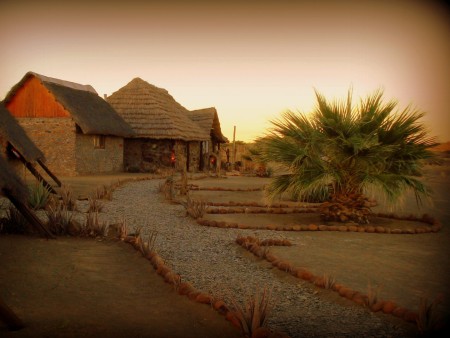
38, 196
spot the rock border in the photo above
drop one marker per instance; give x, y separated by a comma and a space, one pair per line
253, 245
433, 225
188, 290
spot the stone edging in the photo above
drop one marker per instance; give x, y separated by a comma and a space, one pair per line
186, 288
253, 245
433, 226
197, 188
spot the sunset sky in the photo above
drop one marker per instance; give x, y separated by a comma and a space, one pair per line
250, 60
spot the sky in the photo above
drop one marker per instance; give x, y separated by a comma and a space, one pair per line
251, 60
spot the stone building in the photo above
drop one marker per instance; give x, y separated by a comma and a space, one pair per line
78, 131
19, 151
208, 120
165, 136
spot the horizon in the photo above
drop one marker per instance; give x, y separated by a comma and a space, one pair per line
249, 62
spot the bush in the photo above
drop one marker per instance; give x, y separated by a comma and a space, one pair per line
38, 196
195, 208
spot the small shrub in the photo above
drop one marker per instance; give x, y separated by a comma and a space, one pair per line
148, 246
328, 281
122, 229
169, 188
372, 295
67, 198
93, 227
429, 320
254, 313
95, 205
38, 196
59, 219
195, 208
103, 193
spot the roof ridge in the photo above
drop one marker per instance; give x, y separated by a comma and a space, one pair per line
68, 84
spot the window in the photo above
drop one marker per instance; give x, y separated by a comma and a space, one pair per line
99, 141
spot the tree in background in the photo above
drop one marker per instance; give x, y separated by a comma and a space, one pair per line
340, 151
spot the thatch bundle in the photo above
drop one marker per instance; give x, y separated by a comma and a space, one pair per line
153, 113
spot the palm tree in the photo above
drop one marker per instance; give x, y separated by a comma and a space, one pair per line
341, 151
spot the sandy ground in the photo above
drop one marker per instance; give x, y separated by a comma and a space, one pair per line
406, 267
54, 287
72, 287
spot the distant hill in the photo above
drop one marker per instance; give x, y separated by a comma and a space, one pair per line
443, 147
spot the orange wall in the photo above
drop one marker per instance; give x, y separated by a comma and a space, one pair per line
34, 100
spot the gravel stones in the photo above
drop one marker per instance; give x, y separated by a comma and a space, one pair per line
209, 259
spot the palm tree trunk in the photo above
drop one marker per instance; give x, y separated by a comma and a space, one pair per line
346, 207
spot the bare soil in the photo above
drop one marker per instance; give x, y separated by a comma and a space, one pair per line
405, 267
72, 287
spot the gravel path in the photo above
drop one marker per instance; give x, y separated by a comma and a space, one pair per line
212, 262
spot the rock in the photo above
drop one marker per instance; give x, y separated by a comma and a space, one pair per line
313, 227
352, 228
389, 307
203, 298
370, 229
377, 306
380, 230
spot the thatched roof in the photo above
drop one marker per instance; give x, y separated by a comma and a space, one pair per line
153, 113
89, 111
208, 119
12, 132
10, 182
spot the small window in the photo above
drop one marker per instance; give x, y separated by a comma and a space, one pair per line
99, 142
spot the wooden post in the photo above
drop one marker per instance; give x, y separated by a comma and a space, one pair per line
57, 181
39, 176
28, 214
234, 147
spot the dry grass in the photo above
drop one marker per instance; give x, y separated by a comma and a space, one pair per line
60, 220
328, 281
194, 208
95, 205
93, 227
148, 246
254, 313
122, 229
67, 198
167, 188
429, 321
372, 295
104, 192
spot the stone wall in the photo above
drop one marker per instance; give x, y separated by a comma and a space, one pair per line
91, 160
146, 155
180, 155
194, 157
55, 137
